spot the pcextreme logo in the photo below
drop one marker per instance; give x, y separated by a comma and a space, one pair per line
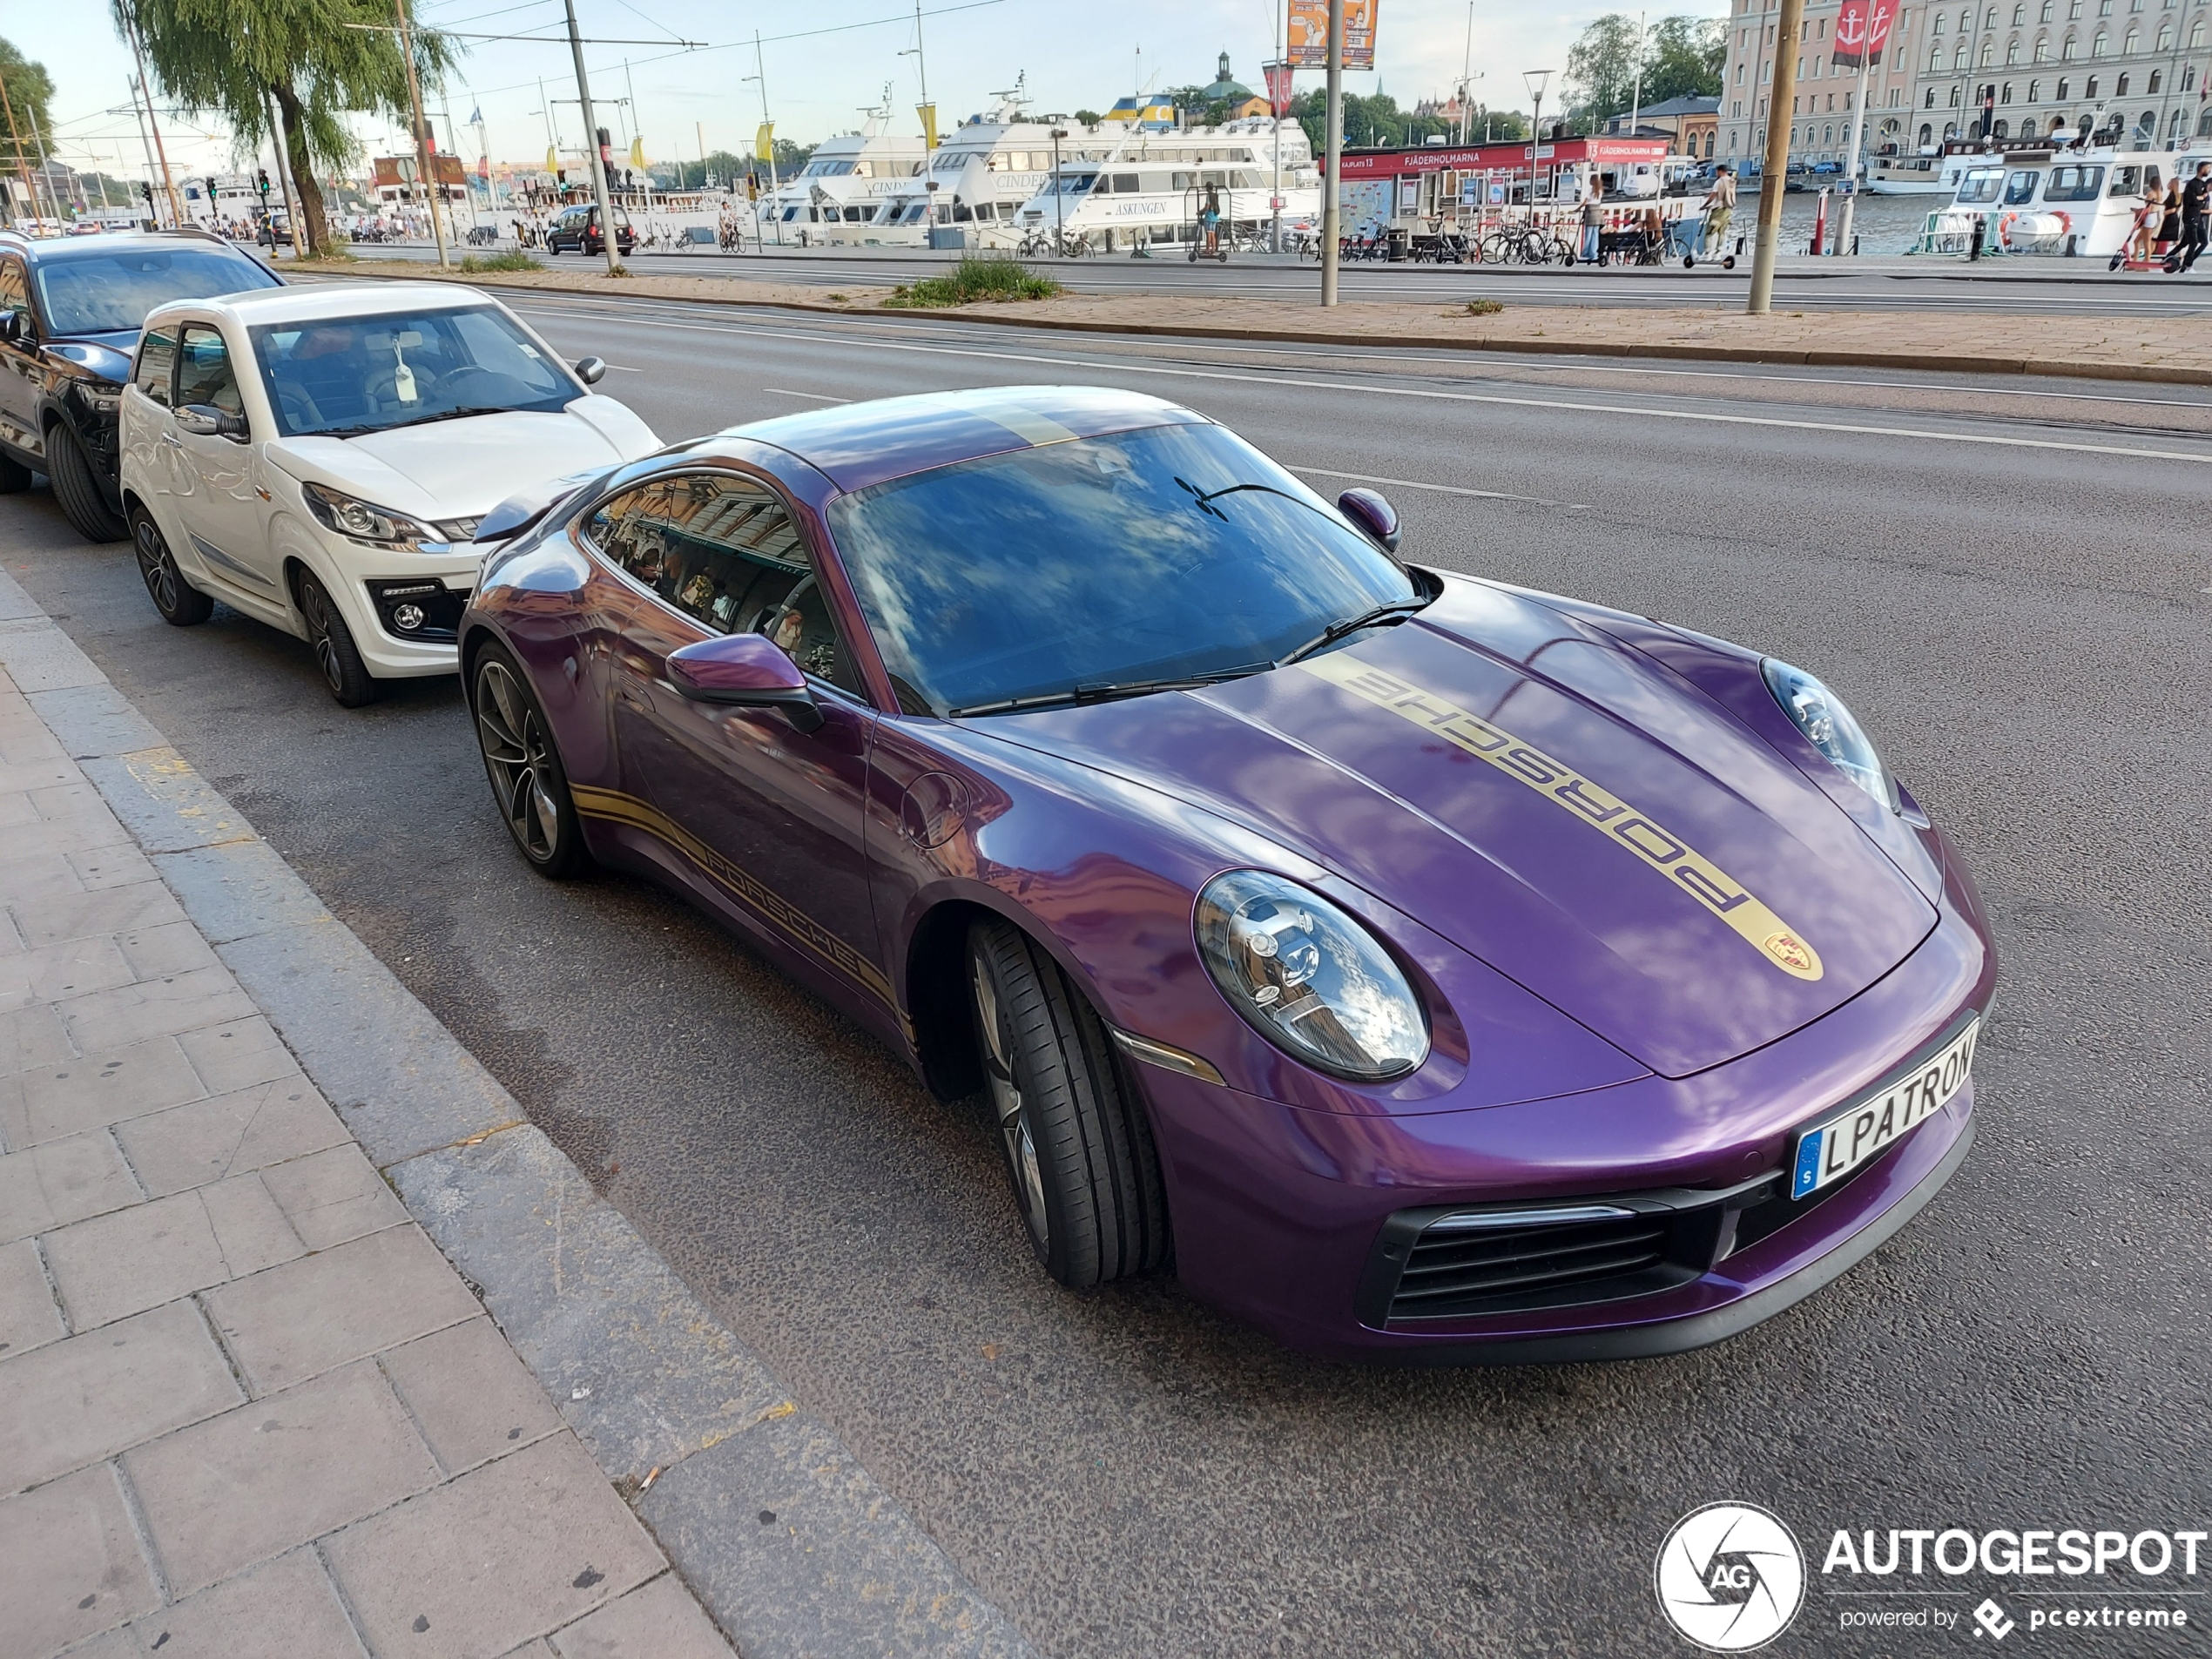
1729, 1577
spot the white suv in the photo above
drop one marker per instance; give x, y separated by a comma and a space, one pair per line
318, 458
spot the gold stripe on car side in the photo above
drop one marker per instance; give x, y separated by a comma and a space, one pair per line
779, 912
1777, 943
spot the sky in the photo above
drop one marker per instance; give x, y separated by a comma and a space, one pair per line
817, 83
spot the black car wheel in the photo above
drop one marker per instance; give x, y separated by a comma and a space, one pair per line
77, 488
1078, 1148
525, 771
348, 677
181, 604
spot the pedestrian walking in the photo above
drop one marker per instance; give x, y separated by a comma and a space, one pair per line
1593, 223
2196, 203
2169, 220
1720, 207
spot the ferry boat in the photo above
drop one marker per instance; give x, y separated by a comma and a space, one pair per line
982, 172
1149, 188
1932, 174
2073, 203
835, 197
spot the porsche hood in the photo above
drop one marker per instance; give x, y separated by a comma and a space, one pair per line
1555, 804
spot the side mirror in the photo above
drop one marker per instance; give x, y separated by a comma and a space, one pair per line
1376, 518
747, 671
205, 421
12, 327
591, 370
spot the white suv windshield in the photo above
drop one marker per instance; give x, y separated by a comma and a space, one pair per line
347, 375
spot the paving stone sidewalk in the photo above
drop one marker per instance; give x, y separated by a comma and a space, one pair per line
247, 1407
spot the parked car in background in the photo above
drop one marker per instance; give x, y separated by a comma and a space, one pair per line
320, 458
71, 309
578, 228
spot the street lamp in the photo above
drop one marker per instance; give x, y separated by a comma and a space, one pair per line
1538, 79
1059, 200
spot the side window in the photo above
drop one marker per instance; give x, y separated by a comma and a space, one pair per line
157, 356
15, 293
723, 551
204, 369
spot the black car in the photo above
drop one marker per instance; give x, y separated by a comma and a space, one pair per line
578, 228
71, 309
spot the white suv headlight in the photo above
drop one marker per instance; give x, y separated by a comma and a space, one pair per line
365, 521
1309, 978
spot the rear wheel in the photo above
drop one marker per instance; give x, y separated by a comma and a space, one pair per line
77, 488
1078, 1149
181, 604
348, 677
525, 770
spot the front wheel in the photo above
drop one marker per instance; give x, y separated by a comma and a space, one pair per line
1078, 1149
77, 488
524, 768
181, 604
348, 677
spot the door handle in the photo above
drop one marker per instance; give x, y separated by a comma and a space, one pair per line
172, 439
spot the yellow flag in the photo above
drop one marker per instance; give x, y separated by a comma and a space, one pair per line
638, 155
928, 113
763, 142
552, 161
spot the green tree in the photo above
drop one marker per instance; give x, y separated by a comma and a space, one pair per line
1602, 69
30, 89
1686, 58
1089, 117
307, 56
1373, 122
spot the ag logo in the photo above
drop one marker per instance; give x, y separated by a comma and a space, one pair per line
1729, 1577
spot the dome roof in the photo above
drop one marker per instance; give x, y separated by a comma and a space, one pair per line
1224, 90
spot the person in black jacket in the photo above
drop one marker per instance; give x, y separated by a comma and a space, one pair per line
2196, 202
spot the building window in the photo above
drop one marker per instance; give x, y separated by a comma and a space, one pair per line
2042, 51
1938, 30
2097, 46
2197, 34
2061, 95
1988, 53
2091, 91
2204, 124
1935, 62
2128, 47
1958, 57
2035, 91
2151, 86
1954, 96
2066, 52
2005, 95
2027, 129
1927, 133
2189, 78
1997, 132
2120, 91
2165, 39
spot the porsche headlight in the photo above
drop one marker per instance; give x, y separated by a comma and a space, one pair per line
1309, 978
364, 522
1828, 726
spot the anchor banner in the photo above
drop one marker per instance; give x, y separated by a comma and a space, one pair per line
1862, 30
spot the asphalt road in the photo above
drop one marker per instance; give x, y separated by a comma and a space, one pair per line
2010, 582
2057, 288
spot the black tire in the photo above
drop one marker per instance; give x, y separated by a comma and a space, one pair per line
1079, 1151
15, 478
527, 778
348, 677
78, 490
181, 604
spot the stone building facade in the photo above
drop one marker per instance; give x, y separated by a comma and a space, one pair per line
2130, 68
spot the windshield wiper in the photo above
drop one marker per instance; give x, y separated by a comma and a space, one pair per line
1337, 630
1203, 499
1107, 691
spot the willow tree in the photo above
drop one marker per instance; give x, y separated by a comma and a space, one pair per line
315, 61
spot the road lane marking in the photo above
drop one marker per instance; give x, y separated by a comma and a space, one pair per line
818, 397
1703, 416
1442, 490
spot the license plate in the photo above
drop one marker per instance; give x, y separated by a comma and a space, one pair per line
1827, 1152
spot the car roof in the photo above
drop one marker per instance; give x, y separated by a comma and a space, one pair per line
41, 249
859, 444
328, 302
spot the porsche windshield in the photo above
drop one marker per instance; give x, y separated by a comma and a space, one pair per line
342, 376
1095, 567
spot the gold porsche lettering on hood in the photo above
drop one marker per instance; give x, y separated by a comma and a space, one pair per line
1777, 943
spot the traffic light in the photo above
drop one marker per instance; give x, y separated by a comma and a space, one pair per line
261, 181
146, 191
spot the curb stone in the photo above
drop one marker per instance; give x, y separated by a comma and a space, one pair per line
693, 1431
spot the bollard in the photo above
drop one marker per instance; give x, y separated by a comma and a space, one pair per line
1820, 222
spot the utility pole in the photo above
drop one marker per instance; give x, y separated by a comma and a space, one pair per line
15, 138
1781, 111
284, 178
176, 214
422, 135
1331, 210
138, 116
1858, 134
1467, 65
768, 123
609, 242
925, 109
1636, 102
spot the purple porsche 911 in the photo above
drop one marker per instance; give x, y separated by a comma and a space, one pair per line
1422, 966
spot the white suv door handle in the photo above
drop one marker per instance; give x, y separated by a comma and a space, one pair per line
172, 438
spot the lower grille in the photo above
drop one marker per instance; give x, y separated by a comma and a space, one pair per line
1446, 1272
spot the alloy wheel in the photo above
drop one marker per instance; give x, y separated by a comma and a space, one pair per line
1007, 1106
515, 750
156, 566
315, 608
